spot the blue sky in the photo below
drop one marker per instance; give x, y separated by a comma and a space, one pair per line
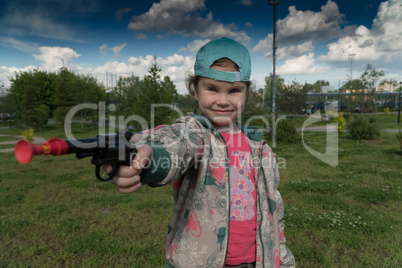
122, 37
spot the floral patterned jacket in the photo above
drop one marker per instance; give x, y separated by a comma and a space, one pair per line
185, 153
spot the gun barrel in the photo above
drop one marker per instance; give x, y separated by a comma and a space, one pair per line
24, 150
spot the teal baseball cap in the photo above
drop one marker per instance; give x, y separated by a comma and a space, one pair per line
223, 48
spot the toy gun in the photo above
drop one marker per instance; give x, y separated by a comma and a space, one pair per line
111, 149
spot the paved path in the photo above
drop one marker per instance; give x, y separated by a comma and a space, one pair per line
332, 128
36, 140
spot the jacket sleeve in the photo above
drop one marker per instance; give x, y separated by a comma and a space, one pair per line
176, 148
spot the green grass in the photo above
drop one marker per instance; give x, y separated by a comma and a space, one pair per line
55, 213
344, 216
389, 121
6, 138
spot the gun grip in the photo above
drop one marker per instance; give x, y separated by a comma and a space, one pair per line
116, 167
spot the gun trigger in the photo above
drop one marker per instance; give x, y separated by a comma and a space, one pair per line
116, 168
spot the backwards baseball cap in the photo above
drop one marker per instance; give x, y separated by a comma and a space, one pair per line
223, 48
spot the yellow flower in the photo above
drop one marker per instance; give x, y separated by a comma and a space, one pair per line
28, 134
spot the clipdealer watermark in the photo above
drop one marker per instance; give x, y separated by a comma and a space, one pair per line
120, 124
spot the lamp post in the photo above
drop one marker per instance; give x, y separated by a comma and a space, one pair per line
274, 3
107, 107
351, 59
399, 105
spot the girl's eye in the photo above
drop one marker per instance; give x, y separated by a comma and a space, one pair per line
212, 89
234, 90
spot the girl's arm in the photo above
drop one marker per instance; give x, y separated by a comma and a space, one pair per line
175, 148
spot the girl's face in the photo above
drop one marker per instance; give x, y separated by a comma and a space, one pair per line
221, 102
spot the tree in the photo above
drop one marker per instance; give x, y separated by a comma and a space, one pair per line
66, 93
355, 84
319, 84
370, 77
187, 102
32, 96
280, 83
135, 97
293, 98
73, 89
154, 91
316, 87
389, 83
125, 95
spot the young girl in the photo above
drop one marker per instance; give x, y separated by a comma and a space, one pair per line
228, 211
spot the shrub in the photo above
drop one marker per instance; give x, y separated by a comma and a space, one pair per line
286, 133
38, 116
341, 122
399, 135
361, 128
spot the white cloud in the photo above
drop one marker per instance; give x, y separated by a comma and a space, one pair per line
194, 46
7, 72
307, 25
141, 36
54, 58
28, 47
183, 17
299, 30
116, 50
103, 49
36, 24
283, 52
175, 66
37, 19
302, 65
381, 42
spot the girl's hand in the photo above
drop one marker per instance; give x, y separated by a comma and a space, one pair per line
128, 179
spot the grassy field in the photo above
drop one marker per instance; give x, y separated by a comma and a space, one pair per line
55, 213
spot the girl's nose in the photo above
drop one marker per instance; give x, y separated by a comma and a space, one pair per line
223, 100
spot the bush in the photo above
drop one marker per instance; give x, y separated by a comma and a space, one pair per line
340, 120
37, 117
361, 128
286, 133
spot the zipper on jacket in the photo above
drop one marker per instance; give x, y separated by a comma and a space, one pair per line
228, 194
259, 206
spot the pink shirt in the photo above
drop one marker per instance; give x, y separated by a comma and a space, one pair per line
243, 196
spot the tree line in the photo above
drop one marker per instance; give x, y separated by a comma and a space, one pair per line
35, 96
294, 96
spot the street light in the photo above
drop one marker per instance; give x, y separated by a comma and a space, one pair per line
274, 3
399, 105
351, 59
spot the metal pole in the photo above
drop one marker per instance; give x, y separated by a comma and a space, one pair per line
274, 3
351, 59
274, 66
399, 105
